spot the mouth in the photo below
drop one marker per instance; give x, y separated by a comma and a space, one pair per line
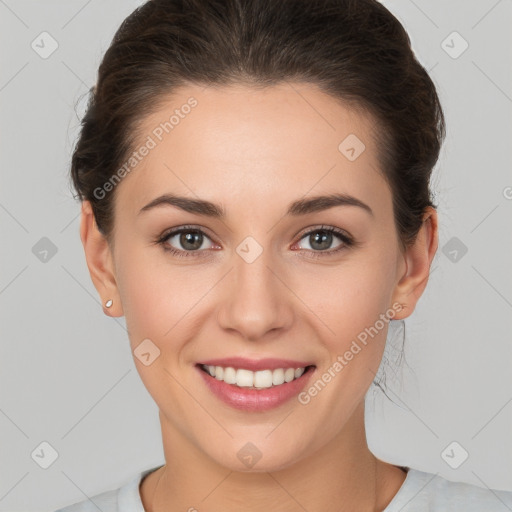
255, 385
261, 379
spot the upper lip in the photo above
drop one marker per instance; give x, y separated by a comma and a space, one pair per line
256, 364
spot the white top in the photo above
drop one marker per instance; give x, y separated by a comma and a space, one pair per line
420, 492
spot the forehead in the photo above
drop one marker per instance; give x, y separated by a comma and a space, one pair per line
239, 142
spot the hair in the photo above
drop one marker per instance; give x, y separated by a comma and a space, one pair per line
354, 50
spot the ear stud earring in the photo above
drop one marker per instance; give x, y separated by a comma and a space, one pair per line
108, 303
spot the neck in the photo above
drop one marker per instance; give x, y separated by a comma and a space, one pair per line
342, 476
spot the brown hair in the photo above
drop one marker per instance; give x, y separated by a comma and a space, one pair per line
354, 50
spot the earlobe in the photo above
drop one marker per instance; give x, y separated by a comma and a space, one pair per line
418, 259
99, 262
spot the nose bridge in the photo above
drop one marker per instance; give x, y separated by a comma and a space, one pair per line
252, 273
256, 300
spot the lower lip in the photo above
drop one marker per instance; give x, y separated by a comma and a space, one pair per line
247, 399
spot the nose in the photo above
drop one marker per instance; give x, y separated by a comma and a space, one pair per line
256, 299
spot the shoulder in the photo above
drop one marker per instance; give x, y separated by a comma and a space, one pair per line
422, 491
124, 499
106, 502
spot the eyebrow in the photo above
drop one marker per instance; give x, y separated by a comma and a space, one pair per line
299, 207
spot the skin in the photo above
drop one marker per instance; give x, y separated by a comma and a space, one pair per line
254, 152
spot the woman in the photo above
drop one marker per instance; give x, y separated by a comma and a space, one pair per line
254, 178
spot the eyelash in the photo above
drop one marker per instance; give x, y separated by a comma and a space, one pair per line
347, 241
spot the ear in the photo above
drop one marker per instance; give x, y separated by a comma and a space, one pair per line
418, 258
99, 261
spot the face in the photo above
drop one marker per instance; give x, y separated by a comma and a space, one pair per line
267, 279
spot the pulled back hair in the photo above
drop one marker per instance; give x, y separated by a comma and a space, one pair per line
354, 50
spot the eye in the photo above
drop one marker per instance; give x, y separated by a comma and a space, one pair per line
321, 239
190, 241
187, 240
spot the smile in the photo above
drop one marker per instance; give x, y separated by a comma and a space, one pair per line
250, 385
262, 379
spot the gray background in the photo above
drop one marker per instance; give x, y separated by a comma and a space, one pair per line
67, 376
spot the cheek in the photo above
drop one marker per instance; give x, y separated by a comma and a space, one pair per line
155, 300
149, 294
351, 301
354, 297
161, 300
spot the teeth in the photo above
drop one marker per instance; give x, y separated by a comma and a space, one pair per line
244, 378
299, 372
289, 374
262, 379
278, 377
229, 375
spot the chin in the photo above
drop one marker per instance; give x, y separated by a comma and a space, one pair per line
257, 456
